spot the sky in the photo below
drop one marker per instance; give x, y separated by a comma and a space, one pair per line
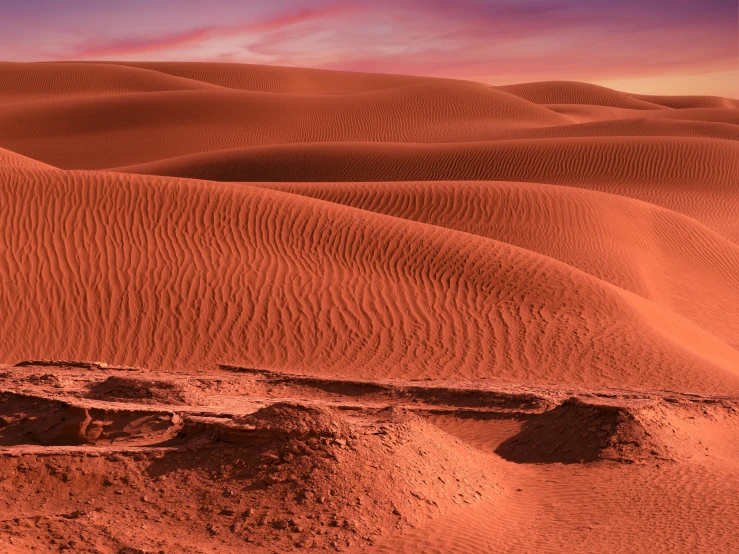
642, 46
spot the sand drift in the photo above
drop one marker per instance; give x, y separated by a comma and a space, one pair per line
260, 309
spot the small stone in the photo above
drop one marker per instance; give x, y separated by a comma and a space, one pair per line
350, 524
270, 458
280, 524
271, 480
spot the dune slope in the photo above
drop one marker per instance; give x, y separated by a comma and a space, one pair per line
279, 280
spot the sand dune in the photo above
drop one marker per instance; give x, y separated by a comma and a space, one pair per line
564, 92
46, 81
286, 242
253, 308
659, 170
101, 130
11, 159
656, 253
586, 113
291, 80
110, 131
683, 102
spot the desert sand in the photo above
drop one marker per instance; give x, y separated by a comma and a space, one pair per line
267, 309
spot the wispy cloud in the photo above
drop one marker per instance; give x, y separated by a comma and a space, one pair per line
132, 45
497, 41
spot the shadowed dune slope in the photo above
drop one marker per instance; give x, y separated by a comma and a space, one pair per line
586, 113
696, 177
24, 82
682, 102
567, 92
106, 131
290, 80
110, 131
160, 272
716, 115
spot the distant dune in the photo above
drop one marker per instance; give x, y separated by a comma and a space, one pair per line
550, 239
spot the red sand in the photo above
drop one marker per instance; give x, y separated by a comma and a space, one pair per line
259, 309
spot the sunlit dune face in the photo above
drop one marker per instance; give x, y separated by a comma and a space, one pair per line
655, 46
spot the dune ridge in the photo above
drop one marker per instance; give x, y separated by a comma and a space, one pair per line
618, 165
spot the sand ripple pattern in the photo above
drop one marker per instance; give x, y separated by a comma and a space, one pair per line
185, 215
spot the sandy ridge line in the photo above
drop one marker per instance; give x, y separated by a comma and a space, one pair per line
526, 393
500, 393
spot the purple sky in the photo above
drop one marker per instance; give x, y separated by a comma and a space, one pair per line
659, 46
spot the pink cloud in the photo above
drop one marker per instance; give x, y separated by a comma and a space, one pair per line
302, 16
130, 46
109, 47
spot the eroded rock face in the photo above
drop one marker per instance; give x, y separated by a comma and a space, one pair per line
288, 475
144, 390
29, 420
307, 471
586, 430
311, 469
